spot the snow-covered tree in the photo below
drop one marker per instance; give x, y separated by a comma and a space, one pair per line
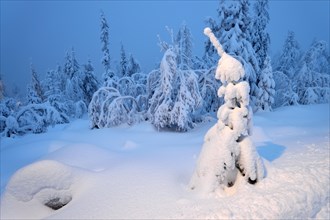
260, 38
35, 118
76, 85
88, 83
8, 107
284, 90
55, 91
105, 43
109, 108
35, 91
290, 56
140, 90
11, 127
53, 86
126, 86
234, 33
210, 55
123, 62
228, 148
72, 74
71, 65
208, 87
266, 84
109, 77
174, 94
133, 66
184, 43
73, 91
313, 77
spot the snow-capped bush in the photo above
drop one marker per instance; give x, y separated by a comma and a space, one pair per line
11, 127
36, 118
8, 109
227, 145
109, 108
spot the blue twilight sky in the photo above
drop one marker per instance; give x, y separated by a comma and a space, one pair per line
42, 31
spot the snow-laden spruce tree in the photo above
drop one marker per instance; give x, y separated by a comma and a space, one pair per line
313, 77
260, 39
133, 66
267, 87
208, 87
35, 91
123, 62
54, 91
88, 82
290, 56
173, 93
109, 77
234, 33
104, 37
228, 148
184, 43
284, 90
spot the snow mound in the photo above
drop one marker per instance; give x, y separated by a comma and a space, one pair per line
49, 178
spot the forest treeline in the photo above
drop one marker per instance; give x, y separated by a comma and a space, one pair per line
182, 90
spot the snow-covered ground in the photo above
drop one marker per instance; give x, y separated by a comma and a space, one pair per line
138, 172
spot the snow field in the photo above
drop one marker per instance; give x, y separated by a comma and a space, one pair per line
140, 173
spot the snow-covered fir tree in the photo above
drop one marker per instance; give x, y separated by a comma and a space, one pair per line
122, 99
266, 84
234, 33
133, 66
52, 84
109, 77
105, 43
5, 110
35, 91
74, 86
88, 83
313, 77
173, 93
228, 149
55, 93
123, 62
260, 38
71, 65
290, 56
208, 87
184, 43
72, 72
285, 94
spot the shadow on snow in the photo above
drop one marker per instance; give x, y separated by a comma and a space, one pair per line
270, 151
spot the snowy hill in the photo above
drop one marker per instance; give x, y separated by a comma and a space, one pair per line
138, 172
